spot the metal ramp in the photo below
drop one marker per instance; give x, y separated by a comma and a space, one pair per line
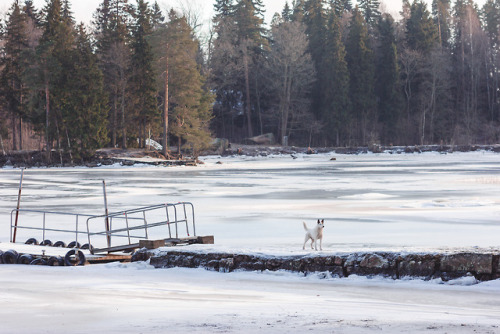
123, 231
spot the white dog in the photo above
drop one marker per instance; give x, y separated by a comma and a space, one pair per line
315, 234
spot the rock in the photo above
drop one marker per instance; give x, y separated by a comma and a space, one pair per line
417, 266
374, 261
226, 265
467, 262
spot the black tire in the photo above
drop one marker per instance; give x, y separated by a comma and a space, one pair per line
46, 242
25, 259
39, 262
87, 246
59, 244
74, 244
1, 255
10, 257
31, 241
55, 261
74, 257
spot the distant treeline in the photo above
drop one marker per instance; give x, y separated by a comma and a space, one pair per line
325, 73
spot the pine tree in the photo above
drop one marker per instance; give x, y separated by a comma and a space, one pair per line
387, 80
370, 11
361, 76
85, 111
113, 48
341, 6
54, 50
14, 63
189, 101
157, 17
336, 114
442, 19
297, 11
316, 22
249, 23
422, 34
223, 8
142, 84
287, 12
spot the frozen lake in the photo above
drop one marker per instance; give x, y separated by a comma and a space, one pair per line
369, 201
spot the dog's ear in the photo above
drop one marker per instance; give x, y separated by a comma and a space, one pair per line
318, 221
322, 221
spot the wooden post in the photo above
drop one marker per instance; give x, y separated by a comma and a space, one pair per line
18, 204
106, 221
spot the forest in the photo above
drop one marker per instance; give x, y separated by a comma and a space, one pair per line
323, 73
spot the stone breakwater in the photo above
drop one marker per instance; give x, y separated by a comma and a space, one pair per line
483, 266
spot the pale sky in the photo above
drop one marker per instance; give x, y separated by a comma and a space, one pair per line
83, 9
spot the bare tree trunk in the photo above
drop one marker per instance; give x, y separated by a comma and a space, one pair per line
1, 143
14, 132
115, 119
165, 108
20, 132
21, 122
124, 125
47, 113
247, 91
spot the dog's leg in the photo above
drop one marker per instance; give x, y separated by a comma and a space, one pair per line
305, 241
321, 244
313, 241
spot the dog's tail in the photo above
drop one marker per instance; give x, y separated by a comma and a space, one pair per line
305, 226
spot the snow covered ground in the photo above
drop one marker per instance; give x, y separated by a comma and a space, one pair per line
417, 202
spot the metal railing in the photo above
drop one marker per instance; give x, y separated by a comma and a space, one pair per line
122, 230
44, 224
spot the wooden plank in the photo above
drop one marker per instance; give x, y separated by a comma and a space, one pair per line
207, 240
151, 244
108, 258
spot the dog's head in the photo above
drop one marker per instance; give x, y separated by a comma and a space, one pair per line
321, 224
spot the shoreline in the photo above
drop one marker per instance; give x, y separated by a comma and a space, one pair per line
129, 157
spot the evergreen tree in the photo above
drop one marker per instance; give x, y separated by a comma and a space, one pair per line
442, 20
422, 34
54, 50
31, 12
224, 73
316, 23
361, 77
223, 8
13, 64
85, 109
249, 23
370, 11
141, 83
157, 17
387, 80
297, 10
336, 114
287, 13
188, 101
341, 6
113, 49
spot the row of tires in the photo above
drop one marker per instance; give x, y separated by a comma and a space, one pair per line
62, 244
74, 257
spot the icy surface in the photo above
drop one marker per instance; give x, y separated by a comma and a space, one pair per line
418, 202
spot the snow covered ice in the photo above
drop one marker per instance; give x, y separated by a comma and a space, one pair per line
418, 202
